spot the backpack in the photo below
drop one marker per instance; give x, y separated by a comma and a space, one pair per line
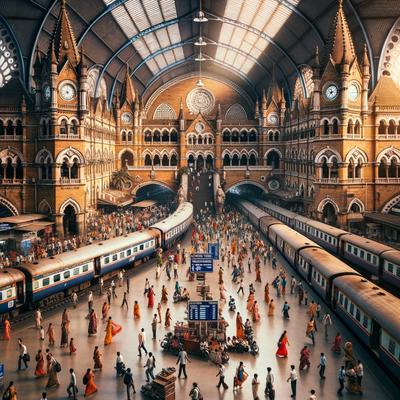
85, 379
127, 379
57, 367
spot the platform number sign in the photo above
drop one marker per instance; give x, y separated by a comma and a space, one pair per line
201, 263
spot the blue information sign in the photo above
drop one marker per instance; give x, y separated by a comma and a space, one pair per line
213, 249
1, 376
203, 310
200, 263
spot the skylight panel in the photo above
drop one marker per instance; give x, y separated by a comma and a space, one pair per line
152, 66
232, 10
226, 33
179, 53
124, 21
160, 60
237, 37
141, 47
153, 11
247, 66
169, 56
168, 9
174, 34
163, 38
138, 14
220, 53
240, 59
230, 56
249, 10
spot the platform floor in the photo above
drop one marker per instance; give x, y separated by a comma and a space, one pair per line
375, 384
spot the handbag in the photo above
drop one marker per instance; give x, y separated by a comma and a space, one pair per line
57, 367
27, 357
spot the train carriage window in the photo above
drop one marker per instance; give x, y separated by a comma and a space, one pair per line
35, 285
323, 282
135, 249
351, 308
392, 346
85, 268
346, 303
349, 248
147, 245
1, 296
398, 272
128, 252
9, 293
106, 260
390, 267
355, 251
374, 260
341, 298
141, 247
362, 253
46, 282
358, 315
115, 257
121, 255
365, 321
67, 274
76, 271
56, 278
368, 257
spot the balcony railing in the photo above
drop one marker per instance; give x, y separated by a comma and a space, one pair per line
328, 180
70, 181
387, 180
250, 167
6, 181
63, 136
11, 137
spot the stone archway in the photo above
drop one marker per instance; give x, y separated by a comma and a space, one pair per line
70, 221
329, 215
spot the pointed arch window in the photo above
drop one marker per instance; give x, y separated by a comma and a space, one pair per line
164, 111
8, 57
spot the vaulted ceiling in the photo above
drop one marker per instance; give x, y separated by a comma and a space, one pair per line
246, 39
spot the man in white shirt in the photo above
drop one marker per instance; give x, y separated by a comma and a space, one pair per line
119, 364
221, 374
269, 382
141, 342
150, 365
22, 354
182, 360
90, 300
72, 385
293, 380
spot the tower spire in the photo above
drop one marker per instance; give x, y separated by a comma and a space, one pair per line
128, 93
341, 47
181, 116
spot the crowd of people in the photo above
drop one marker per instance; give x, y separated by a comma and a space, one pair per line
244, 254
99, 226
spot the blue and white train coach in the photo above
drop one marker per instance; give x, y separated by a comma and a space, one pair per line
12, 289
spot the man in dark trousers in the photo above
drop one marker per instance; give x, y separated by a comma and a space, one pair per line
182, 360
341, 378
154, 323
128, 381
293, 380
221, 374
125, 301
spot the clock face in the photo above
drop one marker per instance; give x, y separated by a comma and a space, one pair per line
331, 92
199, 127
273, 184
273, 119
354, 91
67, 92
126, 118
46, 92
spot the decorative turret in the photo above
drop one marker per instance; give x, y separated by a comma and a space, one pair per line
263, 102
83, 86
341, 47
316, 64
366, 76
219, 118
82, 63
37, 67
181, 117
63, 42
274, 93
257, 109
136, 112
128, 93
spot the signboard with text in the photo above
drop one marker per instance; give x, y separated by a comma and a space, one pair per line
213, 249
201, 263
203, 310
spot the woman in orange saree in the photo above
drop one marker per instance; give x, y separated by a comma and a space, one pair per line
256, 312
239, 326
136, 310
266, 293
40, 370
90, 385
7, 329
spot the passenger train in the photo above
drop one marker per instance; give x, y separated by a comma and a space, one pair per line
372, 257
57, 276
371, 312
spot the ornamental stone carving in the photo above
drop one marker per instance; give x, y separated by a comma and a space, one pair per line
200, 100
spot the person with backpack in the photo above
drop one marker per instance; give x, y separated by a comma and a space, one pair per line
54, 369
128, 381
88, 380
11, 392
195, 392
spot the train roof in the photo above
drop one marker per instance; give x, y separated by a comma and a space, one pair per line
85, 253
9, 276
380, 305
295, 239
325, 262
393, 256
280, 210
256, 211
268, 220
182, 213
365, 243
320, 226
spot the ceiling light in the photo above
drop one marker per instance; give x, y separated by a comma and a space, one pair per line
200, 42
200, 17
200, 57
200, 83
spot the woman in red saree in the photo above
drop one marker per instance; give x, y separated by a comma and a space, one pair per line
7, 329
282, 345
239, 326
72, 348
337, 343
168, 318
150, 297
40, 370
304, 358
104, 310
90, 385
266, 293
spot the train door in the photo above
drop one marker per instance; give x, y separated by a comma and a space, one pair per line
374, 339
309, 272
20, 292
97, 266
334, 297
